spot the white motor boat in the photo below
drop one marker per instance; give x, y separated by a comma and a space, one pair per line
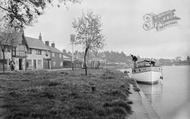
146, 72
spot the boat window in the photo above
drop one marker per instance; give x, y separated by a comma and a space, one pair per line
143, 64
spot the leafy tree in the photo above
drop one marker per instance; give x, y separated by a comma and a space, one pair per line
178, 58
18, 13
165, 62
88, 34
188, 58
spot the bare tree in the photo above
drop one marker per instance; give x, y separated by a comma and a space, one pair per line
88, 33
18, 13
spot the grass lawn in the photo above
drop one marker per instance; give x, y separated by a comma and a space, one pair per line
103, 94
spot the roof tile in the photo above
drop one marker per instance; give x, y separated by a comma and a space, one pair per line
35, 43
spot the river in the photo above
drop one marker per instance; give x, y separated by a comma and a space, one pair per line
172, 95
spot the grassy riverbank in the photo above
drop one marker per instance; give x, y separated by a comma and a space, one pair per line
103, 94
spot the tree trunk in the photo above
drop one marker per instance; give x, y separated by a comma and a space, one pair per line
85, 66
3, 51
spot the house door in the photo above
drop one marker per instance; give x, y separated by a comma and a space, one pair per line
20, 64
34, 64
48, 64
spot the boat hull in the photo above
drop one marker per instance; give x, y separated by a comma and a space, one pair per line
148, 77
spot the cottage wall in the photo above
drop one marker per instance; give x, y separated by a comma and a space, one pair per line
18, 57
23, 63
34, 60
56, 60
46, 60
6, 61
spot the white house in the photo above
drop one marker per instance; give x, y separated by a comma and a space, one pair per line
38, 55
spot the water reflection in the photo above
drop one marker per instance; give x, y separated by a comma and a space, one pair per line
173, 94
153, 93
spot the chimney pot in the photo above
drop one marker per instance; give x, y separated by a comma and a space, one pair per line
40, 36
47, 43
53, 45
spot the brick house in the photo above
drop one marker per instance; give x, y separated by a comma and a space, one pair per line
38, 55
12, 48
56, 56
67, 60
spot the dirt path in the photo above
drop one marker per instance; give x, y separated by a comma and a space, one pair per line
137, 106
141, 107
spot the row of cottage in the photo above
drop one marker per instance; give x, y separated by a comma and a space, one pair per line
29, 53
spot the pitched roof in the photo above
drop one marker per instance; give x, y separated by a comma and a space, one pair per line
52, 49
67, 55
66, 58
35, 43
11, 38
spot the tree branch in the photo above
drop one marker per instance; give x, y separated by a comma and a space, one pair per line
4, 8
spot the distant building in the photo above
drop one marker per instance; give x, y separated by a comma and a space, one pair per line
67, 60
96, 63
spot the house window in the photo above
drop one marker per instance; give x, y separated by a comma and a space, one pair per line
53, 54
8, 49
38, 52
14, 51
54, 63
39, 62
29, 62
29, 51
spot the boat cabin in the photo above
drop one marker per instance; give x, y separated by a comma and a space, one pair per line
145, 63
147, 72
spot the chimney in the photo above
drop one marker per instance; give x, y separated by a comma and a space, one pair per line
40, 37
47, 43
53, 45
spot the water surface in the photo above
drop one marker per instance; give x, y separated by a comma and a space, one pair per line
171, 96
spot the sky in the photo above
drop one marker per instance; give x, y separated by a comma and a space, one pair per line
122, 22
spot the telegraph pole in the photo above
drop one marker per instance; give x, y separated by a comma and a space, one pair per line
72, 42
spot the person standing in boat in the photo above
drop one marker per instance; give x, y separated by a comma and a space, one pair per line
152, 63
134, 58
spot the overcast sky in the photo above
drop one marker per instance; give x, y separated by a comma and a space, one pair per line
122, 26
